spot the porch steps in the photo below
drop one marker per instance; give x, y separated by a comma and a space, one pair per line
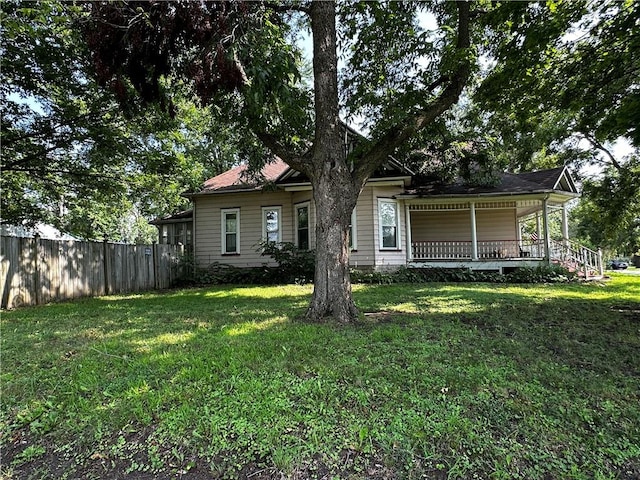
577, 258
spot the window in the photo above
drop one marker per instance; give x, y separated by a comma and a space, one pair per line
179, 233
353, 232
302, 226
189, 234
388, 213
231, 231
165, 234
271, 224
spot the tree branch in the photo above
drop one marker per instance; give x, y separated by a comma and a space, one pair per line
287, 8
378, 153
593, 141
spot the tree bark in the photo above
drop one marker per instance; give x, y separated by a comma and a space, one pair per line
334, 199
334, 192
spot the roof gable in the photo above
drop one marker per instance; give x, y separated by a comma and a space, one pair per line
553, 179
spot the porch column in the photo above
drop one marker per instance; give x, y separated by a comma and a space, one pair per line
565, 223
474, 233
407, 222
545, 226
600, 264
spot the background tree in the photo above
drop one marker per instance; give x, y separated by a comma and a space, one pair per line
565, 101
70, 156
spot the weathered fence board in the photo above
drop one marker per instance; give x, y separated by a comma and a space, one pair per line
35, 271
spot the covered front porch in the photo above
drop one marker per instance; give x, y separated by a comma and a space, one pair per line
497, 234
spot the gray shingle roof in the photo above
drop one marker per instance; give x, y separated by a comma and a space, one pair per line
510, 183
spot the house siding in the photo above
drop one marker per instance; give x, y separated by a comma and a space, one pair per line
455, 225
364, 255
496, 224
209, 228
208, 233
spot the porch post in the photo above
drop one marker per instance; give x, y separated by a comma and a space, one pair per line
474, 233
545, 225
408, 227
565, 224
600, 264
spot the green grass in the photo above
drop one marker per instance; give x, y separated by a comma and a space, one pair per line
443, 381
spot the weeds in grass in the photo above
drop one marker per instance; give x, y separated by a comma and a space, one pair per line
493, 380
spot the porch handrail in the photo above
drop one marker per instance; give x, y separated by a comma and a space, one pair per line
568, 251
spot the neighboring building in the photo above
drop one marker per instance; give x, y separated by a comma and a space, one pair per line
176, 229
41, 230
396, 222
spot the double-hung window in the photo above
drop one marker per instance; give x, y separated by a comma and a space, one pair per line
272, 224
389, 222
302, 226
231, 231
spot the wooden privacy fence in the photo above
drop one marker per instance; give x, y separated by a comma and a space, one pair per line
36, 271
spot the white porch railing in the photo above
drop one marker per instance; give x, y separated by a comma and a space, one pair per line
440, 250
570, 254
487, 249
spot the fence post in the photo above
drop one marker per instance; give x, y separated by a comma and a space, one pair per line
154, 251
600, 265
585, 263
36, 265
105, 259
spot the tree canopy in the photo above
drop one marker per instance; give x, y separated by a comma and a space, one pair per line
70, 156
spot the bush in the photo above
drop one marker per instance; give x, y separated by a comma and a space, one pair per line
543, 273
294, 266
298, 266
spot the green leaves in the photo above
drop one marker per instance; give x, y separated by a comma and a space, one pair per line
71, 156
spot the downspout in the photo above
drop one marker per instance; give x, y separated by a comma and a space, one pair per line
193, 236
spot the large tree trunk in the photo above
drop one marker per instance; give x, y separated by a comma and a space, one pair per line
334, 191
336, 186
334, 199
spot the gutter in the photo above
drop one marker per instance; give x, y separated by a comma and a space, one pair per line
481, 195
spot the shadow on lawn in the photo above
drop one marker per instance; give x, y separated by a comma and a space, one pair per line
175, 364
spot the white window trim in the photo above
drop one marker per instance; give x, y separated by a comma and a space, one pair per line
264, 222
308, 206
380, 235
223, 214
354, 229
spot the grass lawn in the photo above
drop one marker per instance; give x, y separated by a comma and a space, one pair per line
442, 381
